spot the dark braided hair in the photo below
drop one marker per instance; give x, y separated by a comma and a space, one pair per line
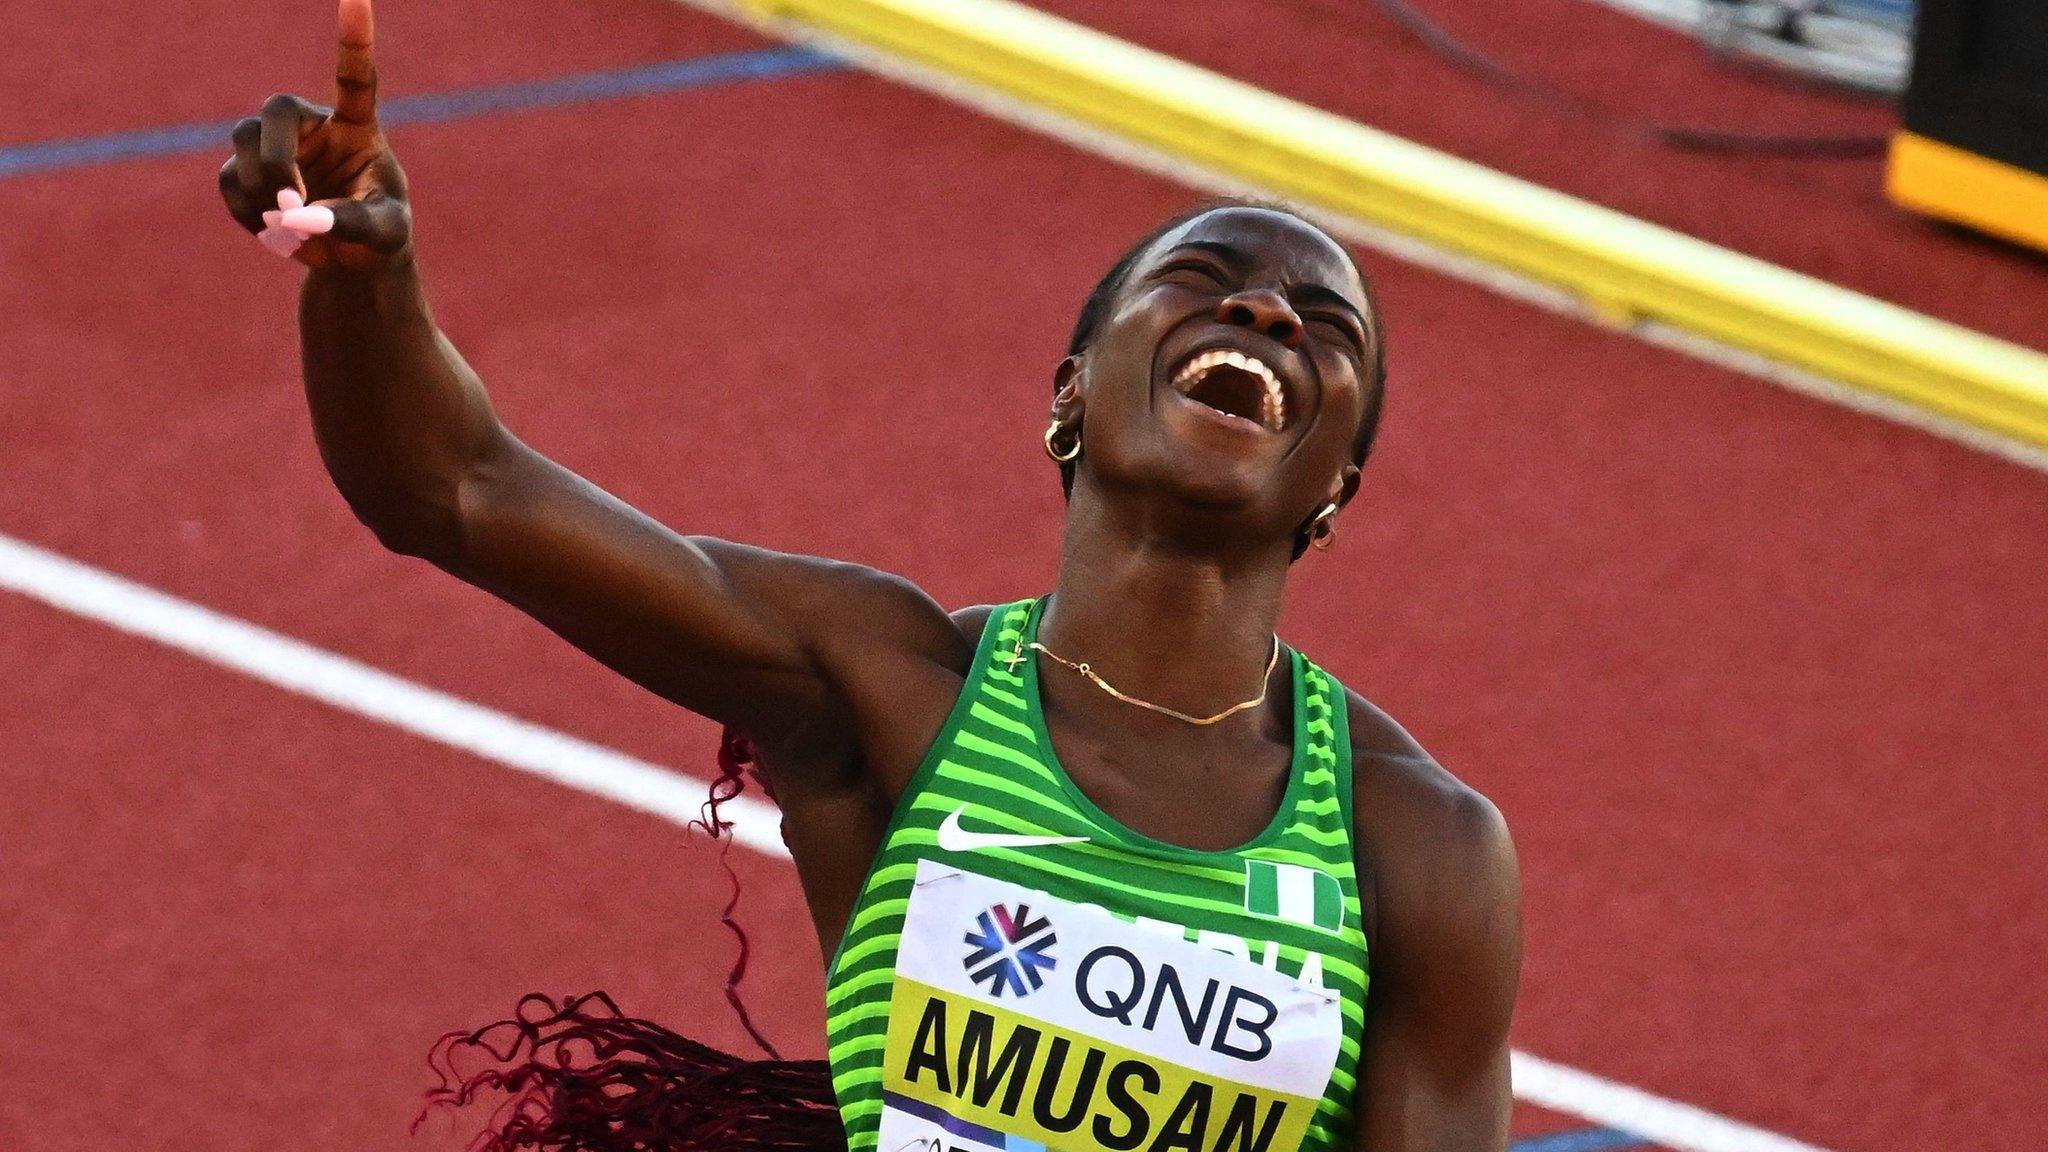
579, 1075
1096, 308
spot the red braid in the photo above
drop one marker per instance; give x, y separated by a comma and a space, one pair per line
736, 762
581, 1076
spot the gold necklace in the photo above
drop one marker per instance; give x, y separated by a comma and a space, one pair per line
1265, 684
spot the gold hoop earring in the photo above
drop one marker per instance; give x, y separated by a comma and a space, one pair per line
1052, 432
1322, 534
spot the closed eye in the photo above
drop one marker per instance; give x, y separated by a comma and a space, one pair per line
1341, 331
1202, 269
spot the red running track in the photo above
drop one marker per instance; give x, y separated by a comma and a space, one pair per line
1827, 218
1755, 679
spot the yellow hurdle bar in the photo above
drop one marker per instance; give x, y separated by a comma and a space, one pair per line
1619, 265
1956, 184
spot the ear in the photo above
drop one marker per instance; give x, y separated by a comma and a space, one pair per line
1066, 399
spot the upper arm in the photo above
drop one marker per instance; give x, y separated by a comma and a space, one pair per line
743, 635
1446, 958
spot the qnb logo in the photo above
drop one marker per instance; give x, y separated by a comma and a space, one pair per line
1010, 950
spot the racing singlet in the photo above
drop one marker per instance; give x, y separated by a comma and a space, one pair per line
1022, 972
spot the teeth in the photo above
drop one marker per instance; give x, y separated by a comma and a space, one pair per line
1275, 406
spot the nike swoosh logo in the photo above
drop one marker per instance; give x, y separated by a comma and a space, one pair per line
954, 838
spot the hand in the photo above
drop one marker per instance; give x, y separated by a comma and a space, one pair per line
344, 200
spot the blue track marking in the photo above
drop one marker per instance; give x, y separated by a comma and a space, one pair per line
668, 76
1580, 1140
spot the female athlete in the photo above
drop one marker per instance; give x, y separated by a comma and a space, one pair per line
1110, 867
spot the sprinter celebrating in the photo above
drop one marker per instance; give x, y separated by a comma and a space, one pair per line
1111, 867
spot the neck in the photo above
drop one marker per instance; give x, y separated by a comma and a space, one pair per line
1186, 627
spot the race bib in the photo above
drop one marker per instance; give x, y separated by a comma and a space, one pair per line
1023, 1022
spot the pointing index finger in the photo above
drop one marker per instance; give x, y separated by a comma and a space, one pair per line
355, 68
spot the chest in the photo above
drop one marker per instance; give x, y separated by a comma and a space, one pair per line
1202, 788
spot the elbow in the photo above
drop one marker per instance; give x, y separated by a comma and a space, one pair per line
425, 529
431, 513
412, 509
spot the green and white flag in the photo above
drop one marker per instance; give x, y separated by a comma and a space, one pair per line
1293, 893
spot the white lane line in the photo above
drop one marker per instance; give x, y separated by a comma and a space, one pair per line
353, 686
356, 687
1667, 1122
1409, 249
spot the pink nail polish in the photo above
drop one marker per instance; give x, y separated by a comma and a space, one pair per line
282, 241
289, 198
311, 221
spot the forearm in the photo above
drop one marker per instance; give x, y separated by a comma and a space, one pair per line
400, 419
410, 440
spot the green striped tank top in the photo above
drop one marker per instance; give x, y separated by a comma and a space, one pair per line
1022, 972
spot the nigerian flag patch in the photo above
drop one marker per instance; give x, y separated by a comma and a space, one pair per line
1293, 893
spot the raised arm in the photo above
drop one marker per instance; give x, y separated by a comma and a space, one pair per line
1446, 953
742, 635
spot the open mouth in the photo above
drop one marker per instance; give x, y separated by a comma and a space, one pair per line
1236, 385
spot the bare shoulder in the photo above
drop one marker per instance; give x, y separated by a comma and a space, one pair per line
1444, 930
843, 605
971, 621
1395, 781
1425, 838
894, 657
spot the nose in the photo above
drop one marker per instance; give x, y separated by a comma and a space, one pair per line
1263, 311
